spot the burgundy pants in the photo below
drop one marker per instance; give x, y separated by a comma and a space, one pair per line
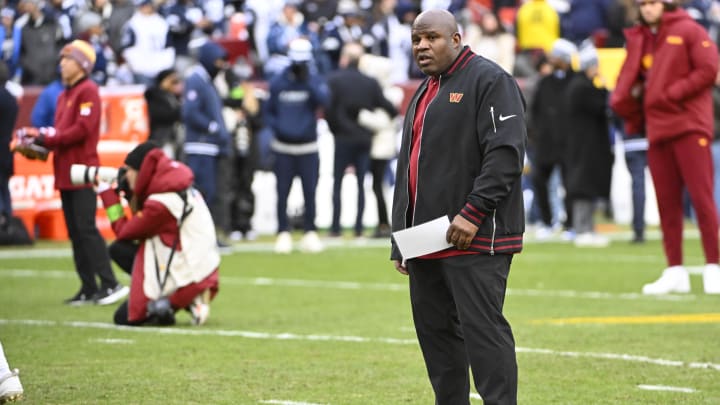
686, 162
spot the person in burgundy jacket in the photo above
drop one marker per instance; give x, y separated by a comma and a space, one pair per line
666, 82
168, 245
74, 139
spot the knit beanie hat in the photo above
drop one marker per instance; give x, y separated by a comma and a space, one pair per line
81, 52
588, 56
136, 156
563, 49
163, 75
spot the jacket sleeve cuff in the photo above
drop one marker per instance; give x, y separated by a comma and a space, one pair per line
109, 198
395, 253
472, 214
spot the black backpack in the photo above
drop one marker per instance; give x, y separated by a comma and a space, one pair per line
13, 232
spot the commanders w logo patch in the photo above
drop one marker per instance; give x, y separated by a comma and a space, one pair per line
456, 97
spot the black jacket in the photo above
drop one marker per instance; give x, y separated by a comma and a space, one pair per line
471, 157
9, 108
352, 91
549, 127
164, 113
589, 153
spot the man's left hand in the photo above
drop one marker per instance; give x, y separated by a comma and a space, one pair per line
461, 232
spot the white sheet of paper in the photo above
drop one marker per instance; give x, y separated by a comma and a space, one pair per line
423, 239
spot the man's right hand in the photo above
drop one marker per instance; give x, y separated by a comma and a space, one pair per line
400, 267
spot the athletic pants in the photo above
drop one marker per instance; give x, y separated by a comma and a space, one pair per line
89, 251
457, 305
685, 161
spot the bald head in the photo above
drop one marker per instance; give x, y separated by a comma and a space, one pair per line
351, 54
437, 19
436, 42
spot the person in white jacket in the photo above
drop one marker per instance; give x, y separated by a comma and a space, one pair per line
144, 44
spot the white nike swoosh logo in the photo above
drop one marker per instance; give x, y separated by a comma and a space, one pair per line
507, 117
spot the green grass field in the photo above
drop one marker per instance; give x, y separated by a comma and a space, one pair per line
335, 328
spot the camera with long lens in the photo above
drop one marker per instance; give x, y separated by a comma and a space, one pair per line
83, 174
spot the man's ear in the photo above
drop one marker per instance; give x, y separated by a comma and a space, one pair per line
457, 40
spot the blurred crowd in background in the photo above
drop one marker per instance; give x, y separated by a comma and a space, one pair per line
155, 43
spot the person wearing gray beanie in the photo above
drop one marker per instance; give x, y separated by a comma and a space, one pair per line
589, 157
587, 57
549, 128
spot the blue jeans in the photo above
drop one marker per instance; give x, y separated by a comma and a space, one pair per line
636, 163
204, 168
286, 167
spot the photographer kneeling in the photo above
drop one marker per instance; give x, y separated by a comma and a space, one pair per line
174, 263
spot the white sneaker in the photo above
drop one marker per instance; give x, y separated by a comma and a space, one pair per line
283, 243
200, 308
674, 279
711, 278
111, 295
311, 243
590, 239
10, 387
543, 232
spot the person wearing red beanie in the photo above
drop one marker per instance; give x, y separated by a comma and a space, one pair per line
74, 139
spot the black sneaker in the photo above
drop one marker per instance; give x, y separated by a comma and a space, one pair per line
79, 299
110, 295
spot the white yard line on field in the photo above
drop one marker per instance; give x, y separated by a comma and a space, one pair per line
114, 341
344, 339
666, 388
284, 402
353, 285
209, 332
623, 357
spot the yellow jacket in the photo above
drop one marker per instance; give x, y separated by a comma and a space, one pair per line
537, 25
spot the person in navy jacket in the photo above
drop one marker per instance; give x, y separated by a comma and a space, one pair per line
291, 111
206, 137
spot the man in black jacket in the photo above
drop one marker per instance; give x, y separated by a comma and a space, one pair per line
351, 92
461, 156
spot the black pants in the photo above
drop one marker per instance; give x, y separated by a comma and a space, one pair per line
242, 206
378, 168
457, 307
89, 251
357, 155
123, 252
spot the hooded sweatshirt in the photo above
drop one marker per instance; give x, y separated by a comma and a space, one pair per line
681, 63
163, 193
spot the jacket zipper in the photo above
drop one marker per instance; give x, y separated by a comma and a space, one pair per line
417, 186
492, 240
